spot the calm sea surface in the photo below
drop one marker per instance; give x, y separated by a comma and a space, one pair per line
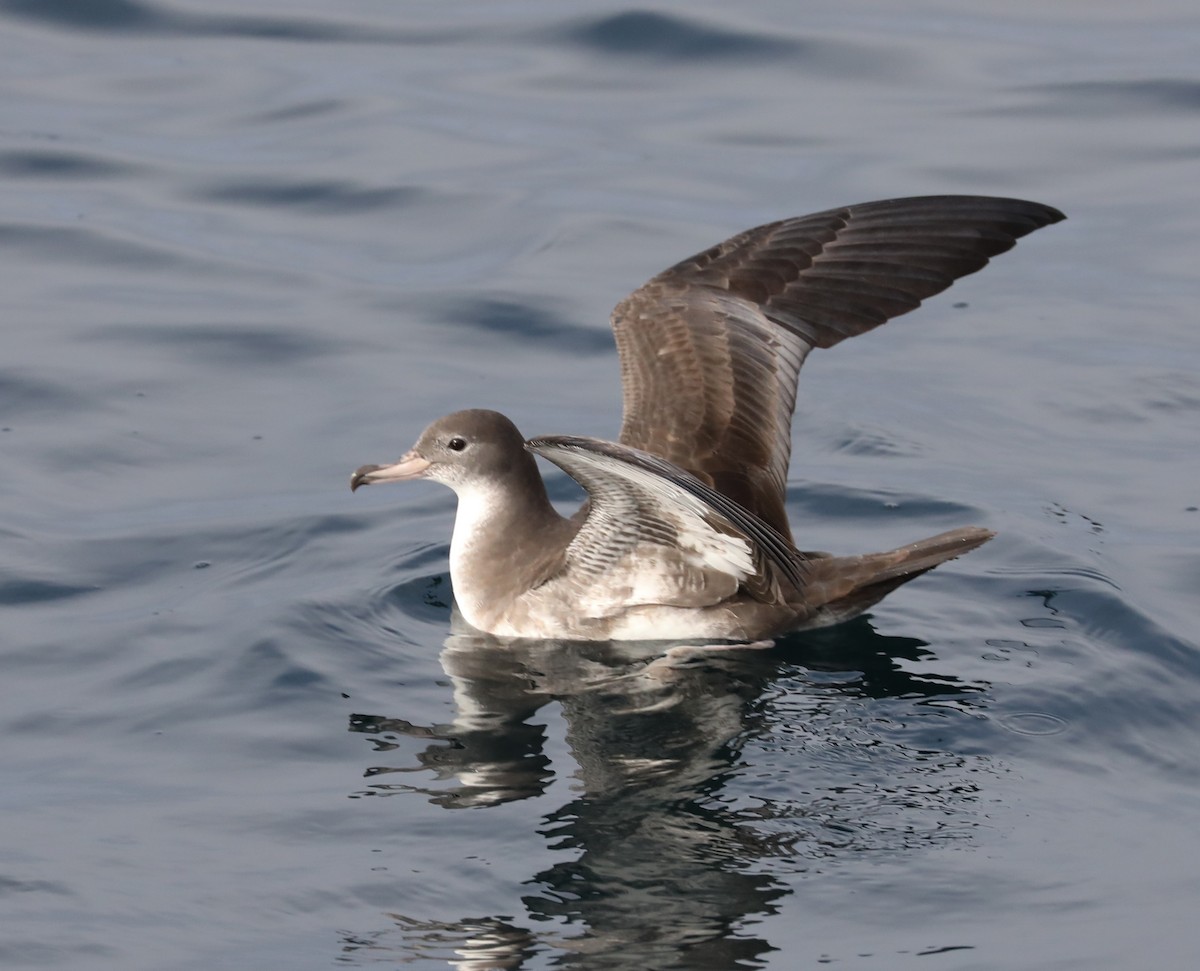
245, 248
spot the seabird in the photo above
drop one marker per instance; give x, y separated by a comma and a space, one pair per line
684, 533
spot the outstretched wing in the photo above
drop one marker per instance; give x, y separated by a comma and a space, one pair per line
711, 348
654, 533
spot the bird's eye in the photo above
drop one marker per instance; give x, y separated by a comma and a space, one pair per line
456, 444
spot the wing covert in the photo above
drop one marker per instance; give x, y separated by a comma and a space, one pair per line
637, 501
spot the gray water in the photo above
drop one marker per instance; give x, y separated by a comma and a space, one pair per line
249, 247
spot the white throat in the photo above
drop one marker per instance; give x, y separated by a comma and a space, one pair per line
478, 504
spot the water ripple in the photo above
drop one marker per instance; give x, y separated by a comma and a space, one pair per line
660, 36
131, 17
86, 246
75, 166
22, 393
1173, 95
328, 197
526, 320
225, 344
25, 590
114, 15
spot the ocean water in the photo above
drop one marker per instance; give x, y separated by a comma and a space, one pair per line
247, 248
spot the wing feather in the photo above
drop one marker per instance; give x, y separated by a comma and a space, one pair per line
711, 348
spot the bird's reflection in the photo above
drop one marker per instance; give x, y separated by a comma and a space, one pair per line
667, 868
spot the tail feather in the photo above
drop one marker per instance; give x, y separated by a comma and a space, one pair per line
915, 558
844, 586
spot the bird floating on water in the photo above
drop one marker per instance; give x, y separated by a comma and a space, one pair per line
684, 533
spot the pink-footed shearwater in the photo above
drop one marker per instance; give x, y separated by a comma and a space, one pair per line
684, 533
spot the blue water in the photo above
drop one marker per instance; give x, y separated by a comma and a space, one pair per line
247, 248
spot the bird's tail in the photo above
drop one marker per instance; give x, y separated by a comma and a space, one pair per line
847, 585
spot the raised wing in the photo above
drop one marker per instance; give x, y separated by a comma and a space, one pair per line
657, 527
711, 348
